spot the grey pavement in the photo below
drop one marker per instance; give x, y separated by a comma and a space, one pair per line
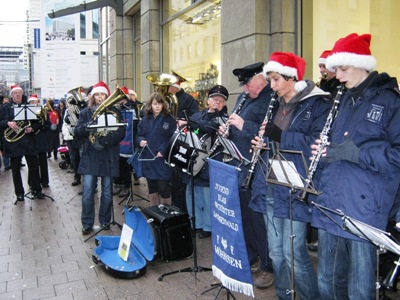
43, 254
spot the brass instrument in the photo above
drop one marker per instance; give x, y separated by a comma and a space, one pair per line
256, 153
12, 136
161, 83
104, 109
324, 141
42, 114
77, 96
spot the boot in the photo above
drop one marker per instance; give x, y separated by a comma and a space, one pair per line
166, 200
154, 200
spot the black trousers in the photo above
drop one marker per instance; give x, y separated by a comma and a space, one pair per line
125, 170
33, 173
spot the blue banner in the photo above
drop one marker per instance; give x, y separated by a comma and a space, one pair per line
230, 261
36, 38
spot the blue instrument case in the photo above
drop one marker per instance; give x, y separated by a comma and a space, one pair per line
143, 247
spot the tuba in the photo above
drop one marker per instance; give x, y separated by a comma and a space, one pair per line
105, 108
73, 105
12, 136
161, 83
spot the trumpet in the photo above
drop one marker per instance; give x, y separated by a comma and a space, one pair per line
256, 153
324, 141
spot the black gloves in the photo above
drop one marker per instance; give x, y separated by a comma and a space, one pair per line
273, 132
344, 151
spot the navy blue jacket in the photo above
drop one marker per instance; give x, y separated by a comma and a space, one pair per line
158, 142
253, 113
365, 190
306, 123
27, 145
186, 103
95, 162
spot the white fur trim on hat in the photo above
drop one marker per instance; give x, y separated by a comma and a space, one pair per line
300, 85
99, 89
176, 85
15, 88
367, 62
273, 66
132, 92
321, 60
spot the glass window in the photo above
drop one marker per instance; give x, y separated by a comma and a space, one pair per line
335, 19
192, 44
95, 24
83, 25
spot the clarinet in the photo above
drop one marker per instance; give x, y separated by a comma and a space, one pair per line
256, 153
236, 111
324, 140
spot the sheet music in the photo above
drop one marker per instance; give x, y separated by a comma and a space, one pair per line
29, 110
290, 169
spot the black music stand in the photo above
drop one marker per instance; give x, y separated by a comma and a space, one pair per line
381, 239
195, 268
129, 198
284, 172
112, 221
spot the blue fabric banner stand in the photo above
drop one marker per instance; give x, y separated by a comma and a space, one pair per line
230, 260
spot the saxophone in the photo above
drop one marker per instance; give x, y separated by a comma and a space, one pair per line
256, 153
324, 141
237, 110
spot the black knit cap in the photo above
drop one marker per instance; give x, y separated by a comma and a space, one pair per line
245, 74
219, 90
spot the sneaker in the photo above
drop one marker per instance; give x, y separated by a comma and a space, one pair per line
255, 267
87, 230
264, 280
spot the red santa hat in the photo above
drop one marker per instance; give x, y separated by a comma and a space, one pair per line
33, 97
100, 87
15, 88
288, 64
125, 90
353, 51
323, 56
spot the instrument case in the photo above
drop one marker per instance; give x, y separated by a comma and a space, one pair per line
173, 229
143, 247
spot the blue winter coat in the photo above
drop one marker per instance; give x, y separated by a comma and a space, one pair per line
306, 123
96, 162
365, 191
158, 141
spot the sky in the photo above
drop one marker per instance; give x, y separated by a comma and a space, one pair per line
13, 33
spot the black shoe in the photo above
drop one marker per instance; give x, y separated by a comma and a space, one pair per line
20, 198
80, 193
204, 234
7, 168
45, 185
76, 182
124, 193
105, 227
38, 195
87, 230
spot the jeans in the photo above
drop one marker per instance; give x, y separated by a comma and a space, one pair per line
279, 244
346, 268
88, 212
202, 206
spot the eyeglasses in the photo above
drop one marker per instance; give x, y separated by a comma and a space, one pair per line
217, 100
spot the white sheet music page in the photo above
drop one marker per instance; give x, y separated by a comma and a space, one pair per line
280, 167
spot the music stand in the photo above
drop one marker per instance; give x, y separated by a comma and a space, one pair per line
129, 198
381, 239
195, 268
284, 172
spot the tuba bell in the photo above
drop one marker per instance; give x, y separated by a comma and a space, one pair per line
77, 96
105, 108
161, 83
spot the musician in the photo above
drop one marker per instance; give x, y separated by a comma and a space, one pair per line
328, 82
25, 146
205, 122
71, 117
155, 130
361, 170
299, 117
243, 126
99, 159
41, 139
129, 112
185, 101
